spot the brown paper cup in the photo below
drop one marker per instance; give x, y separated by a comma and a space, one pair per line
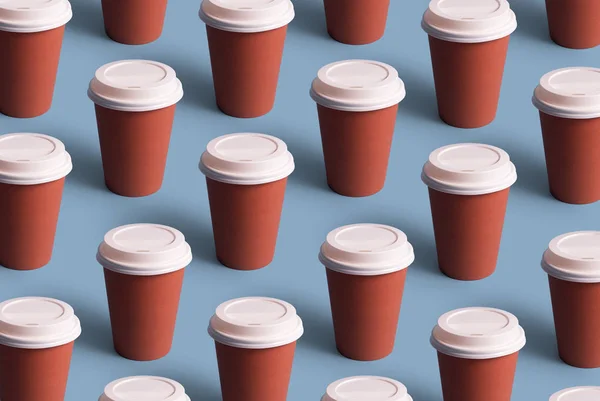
574, 23
134, 147
356, 22
468, 229
477, 379
576, 307
468, 78
572, 160
28, 217
365, 311
255, 374
245, 220
28, 69
356, 147
134, 22
34, 374
143, 312
245, 68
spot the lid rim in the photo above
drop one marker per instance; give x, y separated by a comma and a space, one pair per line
341, 106
65, 338
142, 270
563, 113
57, 174
284, 20
284, 172
58, 22
239, 342
358, 270
113, 104
566, 275
456, 352
456, 190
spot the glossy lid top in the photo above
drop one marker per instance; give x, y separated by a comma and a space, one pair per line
144, 388
574, 257
135, 85
572, 92
357, 85
28, 16
469, 21
469, 169
246, 15
366, 388
256, 323
577, 394
144, 250
478, 333
366, 250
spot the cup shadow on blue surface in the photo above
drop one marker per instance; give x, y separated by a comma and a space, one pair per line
310, 18
96, 331
420, 100
87, 165
532, 20
87, 18
310, 165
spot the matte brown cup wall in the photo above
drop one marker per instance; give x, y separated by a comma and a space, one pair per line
576, 308
28, 70
134, 22
356, 148
143, 312
572, 150
255, 374
245, 221
468, 78
356, 22
34, 374
574, 23
365, 311
468, 230
134, 147
477, 379
245, 68
28, 217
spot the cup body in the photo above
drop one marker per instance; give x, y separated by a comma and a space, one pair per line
477, 379
245, 68
356, 22
34, 374
134, 147
468, 78
572, 147
143, 312
574, 23
356, 148
29, 67
468, 230
255, 374
28, 217
365, 311
134, 22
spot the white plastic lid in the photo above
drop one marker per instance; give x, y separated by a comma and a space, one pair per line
35, 323
574, 257
135, 85
569, 93
577, 394
469, 21
469, 169
357, 85
366, 388
255, 323
28, 16
30, 159
246, 159
246, 15
144, 388
144, 250
478, 333
366, 250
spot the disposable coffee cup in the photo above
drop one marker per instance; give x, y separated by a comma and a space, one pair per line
574, 23
255, 340
572, 262
36, 344
246, 40
134, 22
356, 22
135, 103
366, 268
31, 38
33, 168
143, 270
357, 102
577, 394
477, 352
246, 176
569, 107
468, 43
366, 388
469, 184
144, 388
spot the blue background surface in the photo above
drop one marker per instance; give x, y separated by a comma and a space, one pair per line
311, 209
